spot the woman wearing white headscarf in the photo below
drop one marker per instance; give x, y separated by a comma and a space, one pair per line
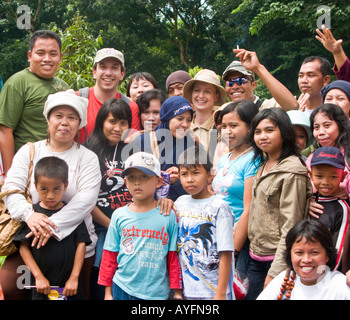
66, 114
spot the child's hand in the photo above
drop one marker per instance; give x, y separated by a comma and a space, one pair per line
178, 294
315, 209
219, 296
174, 174
42, 285
71, 287
108, 293
165, 206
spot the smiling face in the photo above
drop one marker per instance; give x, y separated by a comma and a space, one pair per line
179, 125
108, 73
326, 178
204, 96
45, 58
338, 97
138, 86
308, 259
234, 131
240, 92
325, 131
114, 128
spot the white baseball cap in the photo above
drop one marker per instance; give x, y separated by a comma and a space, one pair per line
67, 98
146, 162
298, 117
109, 53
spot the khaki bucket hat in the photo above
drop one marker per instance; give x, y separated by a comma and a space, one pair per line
207, 76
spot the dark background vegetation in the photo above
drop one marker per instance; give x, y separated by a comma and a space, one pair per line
162, 36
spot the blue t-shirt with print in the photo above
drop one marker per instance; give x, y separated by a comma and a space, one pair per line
142, 240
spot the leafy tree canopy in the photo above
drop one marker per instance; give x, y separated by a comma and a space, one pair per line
161, 36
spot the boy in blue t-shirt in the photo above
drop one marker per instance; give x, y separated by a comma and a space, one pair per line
139, 258
205, 240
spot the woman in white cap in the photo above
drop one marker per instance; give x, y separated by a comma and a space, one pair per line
66, 114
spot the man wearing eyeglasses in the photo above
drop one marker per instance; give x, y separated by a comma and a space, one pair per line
240, 82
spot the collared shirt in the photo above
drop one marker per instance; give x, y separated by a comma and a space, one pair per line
203, 131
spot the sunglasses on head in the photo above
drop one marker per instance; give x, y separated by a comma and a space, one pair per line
239, 81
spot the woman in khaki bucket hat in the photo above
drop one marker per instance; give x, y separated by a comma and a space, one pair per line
206, 94
210, 77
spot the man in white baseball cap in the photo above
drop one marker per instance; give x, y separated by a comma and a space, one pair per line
108, 72
109, 53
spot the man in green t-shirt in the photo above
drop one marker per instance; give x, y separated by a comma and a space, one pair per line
23, 96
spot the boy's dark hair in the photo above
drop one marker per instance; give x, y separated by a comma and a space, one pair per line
194, 157
326, 68
44, 34
311, 230
51, 167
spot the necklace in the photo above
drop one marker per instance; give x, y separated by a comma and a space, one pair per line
225, 170
111, 166
287, 285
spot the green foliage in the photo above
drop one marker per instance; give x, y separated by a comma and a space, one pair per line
160, 36
302, 14
193, 71
13, 57
79, 48
284, 33
2, 260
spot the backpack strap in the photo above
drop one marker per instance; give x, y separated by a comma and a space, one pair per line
124, 98
84, 92
154, 145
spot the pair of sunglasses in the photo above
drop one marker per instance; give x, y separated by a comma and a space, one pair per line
239, 81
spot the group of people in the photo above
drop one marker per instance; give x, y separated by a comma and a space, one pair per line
191, 194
